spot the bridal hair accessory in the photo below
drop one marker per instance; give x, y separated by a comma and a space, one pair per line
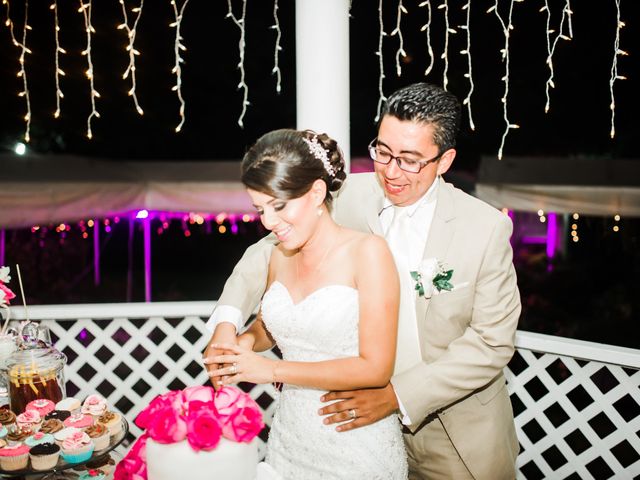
321, 154
431, 278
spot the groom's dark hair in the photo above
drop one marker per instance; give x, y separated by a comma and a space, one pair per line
429, 104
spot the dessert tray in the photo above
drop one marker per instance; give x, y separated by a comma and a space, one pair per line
63, 465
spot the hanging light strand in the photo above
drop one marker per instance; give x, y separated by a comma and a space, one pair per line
276, 52
467, 52
551, 47
614, 68
9, 23
177, 68
85, 9
278, 48
506, 29
23, 72
445, 54
240, 23
427, 28
59, 72
381, 97
398, 31
131, 35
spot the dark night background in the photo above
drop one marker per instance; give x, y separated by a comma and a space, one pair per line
569, 300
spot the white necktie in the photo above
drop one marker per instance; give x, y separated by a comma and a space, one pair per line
408, 346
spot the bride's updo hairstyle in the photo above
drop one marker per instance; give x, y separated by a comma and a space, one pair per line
285, 163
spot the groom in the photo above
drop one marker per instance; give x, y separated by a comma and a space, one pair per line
448, 387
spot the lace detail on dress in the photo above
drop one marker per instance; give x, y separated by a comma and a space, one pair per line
323, 326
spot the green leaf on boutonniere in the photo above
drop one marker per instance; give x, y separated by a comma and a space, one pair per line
441, 281
418, 279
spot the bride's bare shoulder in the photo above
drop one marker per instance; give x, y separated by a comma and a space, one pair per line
367, 243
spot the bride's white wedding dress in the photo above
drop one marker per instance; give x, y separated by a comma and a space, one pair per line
323, 326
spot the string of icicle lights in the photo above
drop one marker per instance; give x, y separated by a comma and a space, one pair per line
131, 49
558, 26
240, 23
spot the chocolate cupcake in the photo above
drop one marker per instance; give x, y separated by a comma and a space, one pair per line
44, 456
7, 417
52, 425
111, 420
99, 434
18, 435
61, 415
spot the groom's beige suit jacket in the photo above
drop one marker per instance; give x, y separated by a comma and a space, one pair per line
466, 336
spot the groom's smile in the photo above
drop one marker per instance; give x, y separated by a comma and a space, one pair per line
409, 140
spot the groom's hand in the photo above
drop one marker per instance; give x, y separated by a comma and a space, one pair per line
370, 405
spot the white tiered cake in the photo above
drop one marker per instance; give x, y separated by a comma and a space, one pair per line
229, 460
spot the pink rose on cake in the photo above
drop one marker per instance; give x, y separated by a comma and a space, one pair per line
203, 427
241, 421
168, 426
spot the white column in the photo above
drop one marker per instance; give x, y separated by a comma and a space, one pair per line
322, 69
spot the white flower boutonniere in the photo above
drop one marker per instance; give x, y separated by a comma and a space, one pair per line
431, 278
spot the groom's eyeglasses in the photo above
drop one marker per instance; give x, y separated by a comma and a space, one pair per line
407, 164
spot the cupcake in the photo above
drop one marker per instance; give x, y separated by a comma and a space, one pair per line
52, 425
105, 463
69, 404
44, 456
18, 435
61, 415
61, 435
111, 420
92, 474
14, 457
99, 434
30, 419
94, 405
38, 438
79, 420
41, 405
77, 448
7, 417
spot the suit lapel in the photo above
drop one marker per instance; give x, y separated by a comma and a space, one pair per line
372, 213
439, 239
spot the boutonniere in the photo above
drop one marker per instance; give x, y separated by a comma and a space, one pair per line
431, 278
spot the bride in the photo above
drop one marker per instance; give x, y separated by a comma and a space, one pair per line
331, 306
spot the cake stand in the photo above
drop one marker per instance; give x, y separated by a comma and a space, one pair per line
58, 472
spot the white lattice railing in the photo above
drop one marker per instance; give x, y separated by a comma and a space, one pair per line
577, 404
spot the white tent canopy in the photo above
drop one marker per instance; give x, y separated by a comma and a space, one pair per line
38, 190
590, 186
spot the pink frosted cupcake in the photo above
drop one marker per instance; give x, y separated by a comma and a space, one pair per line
42, 406
30, 419
65, 433
94, 405
77, 448
14, 457
79, 421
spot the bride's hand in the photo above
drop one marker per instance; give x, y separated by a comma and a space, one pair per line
224, 333
242, 365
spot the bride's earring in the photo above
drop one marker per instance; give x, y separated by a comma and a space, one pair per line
319, 212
